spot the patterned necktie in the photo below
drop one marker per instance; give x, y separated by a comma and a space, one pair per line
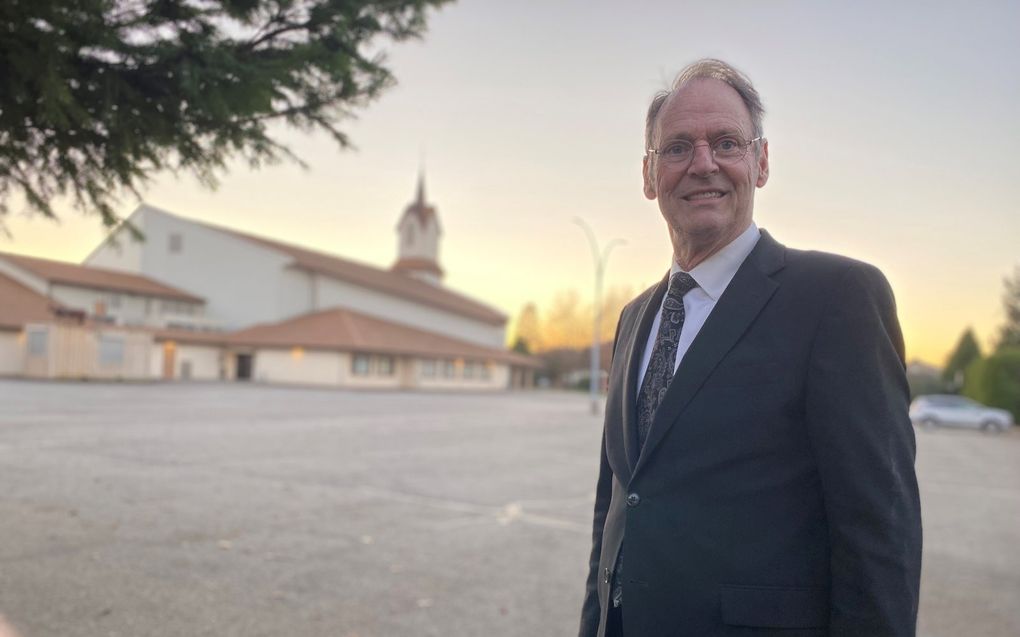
660, 371
662, 364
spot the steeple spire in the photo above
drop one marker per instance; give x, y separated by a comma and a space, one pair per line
421, 187
418, 238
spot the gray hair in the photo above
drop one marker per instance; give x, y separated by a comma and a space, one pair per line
709, 69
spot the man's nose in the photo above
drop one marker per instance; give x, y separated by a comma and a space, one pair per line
703, 161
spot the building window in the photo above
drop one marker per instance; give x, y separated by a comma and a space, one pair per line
38, 340
428, 368
449, 369
409, 236
176, 243
385, 365
486, 371
180, 308
114, 301
360, 364
469, 370
111, 350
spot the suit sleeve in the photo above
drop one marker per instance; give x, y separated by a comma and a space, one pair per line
856, 410
590, 610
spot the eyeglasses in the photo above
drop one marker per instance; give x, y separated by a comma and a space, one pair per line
725, 150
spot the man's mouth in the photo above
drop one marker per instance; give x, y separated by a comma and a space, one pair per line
704, 194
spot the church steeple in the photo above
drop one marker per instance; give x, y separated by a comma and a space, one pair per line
418, 239
420, 201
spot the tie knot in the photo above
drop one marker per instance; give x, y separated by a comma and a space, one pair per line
681, 283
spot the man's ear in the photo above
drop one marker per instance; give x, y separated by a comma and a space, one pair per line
647, 172
763, 163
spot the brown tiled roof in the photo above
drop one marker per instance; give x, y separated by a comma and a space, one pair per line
374, 278
417, 264
195, 337
96, 278
20, 305
341, 329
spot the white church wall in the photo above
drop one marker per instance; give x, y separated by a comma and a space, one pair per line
122, 251
126, 308
336, 293
239, 279
297, 293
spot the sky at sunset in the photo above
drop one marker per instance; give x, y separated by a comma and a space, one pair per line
893, 130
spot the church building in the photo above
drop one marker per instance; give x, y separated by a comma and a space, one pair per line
195, 301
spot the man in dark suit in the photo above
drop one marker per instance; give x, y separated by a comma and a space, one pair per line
757, 469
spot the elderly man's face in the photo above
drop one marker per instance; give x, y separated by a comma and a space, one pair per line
704, 202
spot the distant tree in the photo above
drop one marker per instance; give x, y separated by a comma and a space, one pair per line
967, 350
1009, 333
995, 380
921, 384
612, 304
567, 324
98, 95
527, 330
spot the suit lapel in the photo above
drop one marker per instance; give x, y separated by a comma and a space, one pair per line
744, 298
621, 441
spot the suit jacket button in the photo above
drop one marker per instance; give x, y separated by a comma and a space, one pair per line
633, 500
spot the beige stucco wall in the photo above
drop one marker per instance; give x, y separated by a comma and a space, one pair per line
336, 369
296, 366
74, 352
204, 361
372, 380
11, 353
498, 378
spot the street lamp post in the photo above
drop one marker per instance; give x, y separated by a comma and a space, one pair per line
599, 258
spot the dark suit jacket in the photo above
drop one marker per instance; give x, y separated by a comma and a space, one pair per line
776, 492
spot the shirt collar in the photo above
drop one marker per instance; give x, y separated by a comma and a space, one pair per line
714, 273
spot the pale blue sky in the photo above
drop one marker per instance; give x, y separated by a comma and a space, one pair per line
893, 135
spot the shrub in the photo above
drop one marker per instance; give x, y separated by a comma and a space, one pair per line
995, 381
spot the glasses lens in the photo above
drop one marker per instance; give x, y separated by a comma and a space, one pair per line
677, 152
729, 148
725, 149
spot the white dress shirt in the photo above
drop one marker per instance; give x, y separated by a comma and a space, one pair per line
713, 275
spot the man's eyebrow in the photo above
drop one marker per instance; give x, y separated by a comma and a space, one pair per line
714, 134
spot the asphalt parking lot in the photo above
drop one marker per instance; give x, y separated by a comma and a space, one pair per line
230, 510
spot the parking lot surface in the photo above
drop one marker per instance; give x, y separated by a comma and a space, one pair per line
245, 510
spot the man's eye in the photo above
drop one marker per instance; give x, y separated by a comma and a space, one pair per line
677, 149
727, 145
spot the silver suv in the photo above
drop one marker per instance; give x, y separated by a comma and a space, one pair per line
957, 411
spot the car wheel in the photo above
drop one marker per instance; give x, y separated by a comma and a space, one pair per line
992, 427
